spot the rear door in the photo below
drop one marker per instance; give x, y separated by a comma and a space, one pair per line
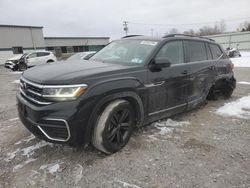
32, 59
167, 89
43, 57
201, 70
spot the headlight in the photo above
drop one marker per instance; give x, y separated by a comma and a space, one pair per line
62, 93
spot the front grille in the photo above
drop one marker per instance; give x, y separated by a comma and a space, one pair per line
32, 92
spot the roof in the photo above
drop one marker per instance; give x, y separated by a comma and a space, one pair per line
22, 26
76, 37
179, 36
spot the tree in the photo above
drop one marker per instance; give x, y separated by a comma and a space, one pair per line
245, 26
189, 32
172, 31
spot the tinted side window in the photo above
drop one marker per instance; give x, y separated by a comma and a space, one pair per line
173, 51
196, 51
40, 54
216, 51
33, 55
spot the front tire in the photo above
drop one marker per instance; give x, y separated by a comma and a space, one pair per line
22, 67
114, 127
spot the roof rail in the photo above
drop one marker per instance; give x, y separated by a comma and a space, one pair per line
185, 35
128, 36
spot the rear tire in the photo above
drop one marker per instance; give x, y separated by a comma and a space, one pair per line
228, 89
114, 127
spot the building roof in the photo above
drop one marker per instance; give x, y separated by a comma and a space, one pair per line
23, 26
76, 37
229, 33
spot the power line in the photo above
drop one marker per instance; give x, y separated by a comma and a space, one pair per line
189, 24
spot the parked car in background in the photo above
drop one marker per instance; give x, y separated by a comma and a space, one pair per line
11, 62
81, 56
34, 58
233, 52
129, 83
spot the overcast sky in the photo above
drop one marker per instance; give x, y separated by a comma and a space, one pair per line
105, 17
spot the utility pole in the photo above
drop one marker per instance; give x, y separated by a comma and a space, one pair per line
125, 27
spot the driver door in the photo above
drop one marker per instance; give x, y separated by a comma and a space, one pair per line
168, 87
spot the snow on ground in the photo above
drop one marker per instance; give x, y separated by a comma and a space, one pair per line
26, 140
21, 165
243, 61
127, 185
52, 168
239, 108
16, 82
31, 149
14, 119
244, 83
10, 156
168, 126
16, 72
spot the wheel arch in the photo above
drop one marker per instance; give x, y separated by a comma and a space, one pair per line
50, 61
130, 96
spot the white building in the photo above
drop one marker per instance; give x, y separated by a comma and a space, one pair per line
16, 39
239, 40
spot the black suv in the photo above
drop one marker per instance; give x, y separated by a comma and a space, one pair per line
129, 83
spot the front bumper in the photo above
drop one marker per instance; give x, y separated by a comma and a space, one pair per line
9, 65
62, 122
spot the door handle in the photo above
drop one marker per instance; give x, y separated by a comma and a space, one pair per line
184, 72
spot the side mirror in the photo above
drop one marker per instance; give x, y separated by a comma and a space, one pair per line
157, 64
162, 61
27, 57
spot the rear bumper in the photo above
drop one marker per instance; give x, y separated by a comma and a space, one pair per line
62, 122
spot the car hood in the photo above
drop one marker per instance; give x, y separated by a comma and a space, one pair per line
17, 57
70, 72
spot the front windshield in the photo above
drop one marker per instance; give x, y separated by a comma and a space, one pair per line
24, 55
125, 51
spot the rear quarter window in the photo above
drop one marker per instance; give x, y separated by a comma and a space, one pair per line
40, 54
196, 51
216, 51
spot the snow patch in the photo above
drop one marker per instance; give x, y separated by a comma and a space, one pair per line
168, 126
241, 61
239, 108
16, 72
11, 156
26, 140
31, 149
245, 53
16, 82
127, 185
14, 119
21, 165
78, 173
52, 168
244, 83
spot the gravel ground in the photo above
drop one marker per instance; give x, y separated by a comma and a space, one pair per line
194, 149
